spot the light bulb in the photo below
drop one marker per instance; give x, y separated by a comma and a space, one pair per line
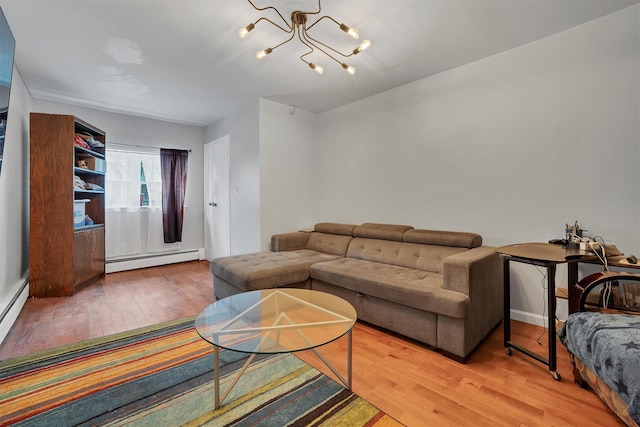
244, 31
349, 69
364, 45
262, 53
351, 31
317, 68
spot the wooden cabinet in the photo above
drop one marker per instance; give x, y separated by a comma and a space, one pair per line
65, 253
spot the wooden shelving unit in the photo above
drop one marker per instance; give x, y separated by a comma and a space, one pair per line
64, 257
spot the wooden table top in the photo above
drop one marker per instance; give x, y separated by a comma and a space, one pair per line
543, 252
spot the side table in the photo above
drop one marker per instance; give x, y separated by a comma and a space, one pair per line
544, 255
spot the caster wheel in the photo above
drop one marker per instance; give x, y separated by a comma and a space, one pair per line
508, 351
556, 376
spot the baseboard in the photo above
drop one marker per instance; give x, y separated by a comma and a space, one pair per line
526, 317
152, 260
12, 306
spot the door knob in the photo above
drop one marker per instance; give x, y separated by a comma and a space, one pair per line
214, 204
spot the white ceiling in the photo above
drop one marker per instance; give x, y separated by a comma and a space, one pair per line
182, 60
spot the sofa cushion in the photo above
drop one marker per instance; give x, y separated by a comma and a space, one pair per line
289, 241
443, 238
410, 255
329, 243
381, 231
413, 288
334, 228
264, 270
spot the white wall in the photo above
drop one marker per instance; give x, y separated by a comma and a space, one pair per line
512, 146
242, 127
288, 169
123, 129
14, 206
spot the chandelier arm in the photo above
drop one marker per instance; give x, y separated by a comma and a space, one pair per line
270, 7
311, 49
310, 42
320, 19
316, 12
290, 29
286, 41
327, 46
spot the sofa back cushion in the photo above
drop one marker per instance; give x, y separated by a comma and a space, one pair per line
334, 228
410, 255
443, 238
334, 244
381, 231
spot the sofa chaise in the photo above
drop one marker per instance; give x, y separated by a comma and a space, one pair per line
442, 288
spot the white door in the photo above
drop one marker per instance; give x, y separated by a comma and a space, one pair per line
217, 224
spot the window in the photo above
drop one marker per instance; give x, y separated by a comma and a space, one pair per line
133, 179
144, 192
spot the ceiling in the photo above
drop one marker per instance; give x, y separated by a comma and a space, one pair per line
182, 60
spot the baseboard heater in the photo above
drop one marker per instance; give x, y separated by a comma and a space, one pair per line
14, 306
114, 265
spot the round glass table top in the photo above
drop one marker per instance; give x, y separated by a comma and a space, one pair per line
275, 320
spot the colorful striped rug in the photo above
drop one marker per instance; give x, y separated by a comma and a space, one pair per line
163, 376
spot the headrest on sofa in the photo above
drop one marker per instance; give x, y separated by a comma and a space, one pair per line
334, 228
381, 231
443, 238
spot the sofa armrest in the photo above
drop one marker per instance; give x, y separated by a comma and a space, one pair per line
289, 241
480, 266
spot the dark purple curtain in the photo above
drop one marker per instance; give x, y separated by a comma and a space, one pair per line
174, 183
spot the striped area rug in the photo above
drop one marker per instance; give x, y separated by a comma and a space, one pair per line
163, 376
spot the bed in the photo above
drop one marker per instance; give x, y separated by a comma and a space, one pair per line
602, 335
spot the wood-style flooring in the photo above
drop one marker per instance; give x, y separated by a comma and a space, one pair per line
407, 380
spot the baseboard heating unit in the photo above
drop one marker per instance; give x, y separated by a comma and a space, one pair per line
114, 265
12, 306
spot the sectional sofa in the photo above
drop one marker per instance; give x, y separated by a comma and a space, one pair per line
442, 288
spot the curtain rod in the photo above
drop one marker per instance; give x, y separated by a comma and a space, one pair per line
141, 146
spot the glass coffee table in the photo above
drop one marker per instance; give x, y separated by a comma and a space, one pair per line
275, 321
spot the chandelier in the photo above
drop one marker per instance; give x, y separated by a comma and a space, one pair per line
298, 27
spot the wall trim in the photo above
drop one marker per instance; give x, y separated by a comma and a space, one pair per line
152, 260
526, 317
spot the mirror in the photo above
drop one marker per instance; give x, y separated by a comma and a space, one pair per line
7, 49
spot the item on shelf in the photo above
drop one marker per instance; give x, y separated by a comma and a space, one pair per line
90, 140
82, 163
93, 187
78, 183
79, 142
88, 220
95, 164
78, 212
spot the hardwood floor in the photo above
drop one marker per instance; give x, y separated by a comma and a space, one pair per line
417, 386
118, 302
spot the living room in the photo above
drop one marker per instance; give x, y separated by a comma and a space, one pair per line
511, 146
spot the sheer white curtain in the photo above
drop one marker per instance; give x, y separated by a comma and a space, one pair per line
155, 234
132, 229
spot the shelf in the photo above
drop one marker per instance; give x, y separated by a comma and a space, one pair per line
88, 152
78, 170
88, 227
88, 191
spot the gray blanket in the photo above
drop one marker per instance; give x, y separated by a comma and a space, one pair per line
609, 345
